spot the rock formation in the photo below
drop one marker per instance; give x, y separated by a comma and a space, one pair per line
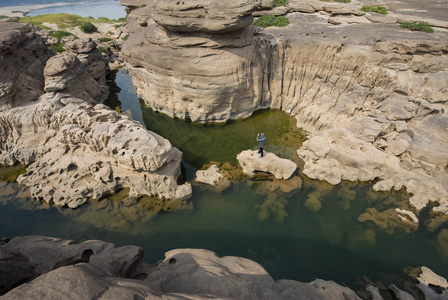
23, 55
281, 168
213, 177
42, 267
76, 149
196, 59
371, 95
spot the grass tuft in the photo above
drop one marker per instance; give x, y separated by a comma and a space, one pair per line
422, 26
377, 9
102, 49
281, 3
270, 20
59, 34
105, 39
58, 47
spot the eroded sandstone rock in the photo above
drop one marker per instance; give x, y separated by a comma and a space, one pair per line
23, 57
213, 177
76, 151
281, 168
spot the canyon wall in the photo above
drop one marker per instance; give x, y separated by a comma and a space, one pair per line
372, 96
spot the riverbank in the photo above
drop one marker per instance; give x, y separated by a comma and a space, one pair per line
23, 10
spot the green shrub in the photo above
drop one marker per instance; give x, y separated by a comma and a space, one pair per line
59, 34
270, 20
117, 26
88, 27
105, 39
3, 17
143, 5
422, 26
121, 19
281, 2
102, 49
58, 47
110, 32
125, 37
377, 9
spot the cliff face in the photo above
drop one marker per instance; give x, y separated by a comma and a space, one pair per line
23, 55
74, 148
197, 60
372, 96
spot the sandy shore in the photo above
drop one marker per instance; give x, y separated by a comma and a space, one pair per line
8, 10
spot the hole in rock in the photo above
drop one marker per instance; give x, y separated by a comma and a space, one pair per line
86, 254
141, 276
172, 261
72, 167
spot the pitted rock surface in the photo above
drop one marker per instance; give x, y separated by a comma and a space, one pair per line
76, 151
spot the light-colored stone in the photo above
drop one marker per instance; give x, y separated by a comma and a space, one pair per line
281, 168
213, 177
205, 15
76, 151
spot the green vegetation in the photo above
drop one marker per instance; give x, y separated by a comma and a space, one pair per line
63, 21
121, 20
377, 9
110, 32
59, 34
422, 26
88, 27
105, 39
3, 17
143, 5
58, 47
117, 26
102, 49
125, 37
281, 2
270, 20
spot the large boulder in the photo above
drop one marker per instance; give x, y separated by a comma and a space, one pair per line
23, 56
281, 168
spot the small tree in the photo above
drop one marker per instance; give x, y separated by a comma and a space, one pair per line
88, 27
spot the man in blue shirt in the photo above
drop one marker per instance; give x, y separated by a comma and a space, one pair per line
262, 139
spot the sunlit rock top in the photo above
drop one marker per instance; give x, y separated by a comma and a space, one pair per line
205, 15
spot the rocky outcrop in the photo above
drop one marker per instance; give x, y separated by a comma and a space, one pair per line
197, 60
81, 72
76, 149
95, 269
281, 168
23, 57
213, 177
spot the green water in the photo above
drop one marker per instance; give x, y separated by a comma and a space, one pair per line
291, 235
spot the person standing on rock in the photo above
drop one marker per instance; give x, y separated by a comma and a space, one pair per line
262, 139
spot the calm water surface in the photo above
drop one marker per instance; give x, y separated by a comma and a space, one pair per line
290, 235
111, 10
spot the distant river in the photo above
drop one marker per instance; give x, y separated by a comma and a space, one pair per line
111, 10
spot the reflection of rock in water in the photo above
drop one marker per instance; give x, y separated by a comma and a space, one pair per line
273, 208
390, 221
442, 239
156, 204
